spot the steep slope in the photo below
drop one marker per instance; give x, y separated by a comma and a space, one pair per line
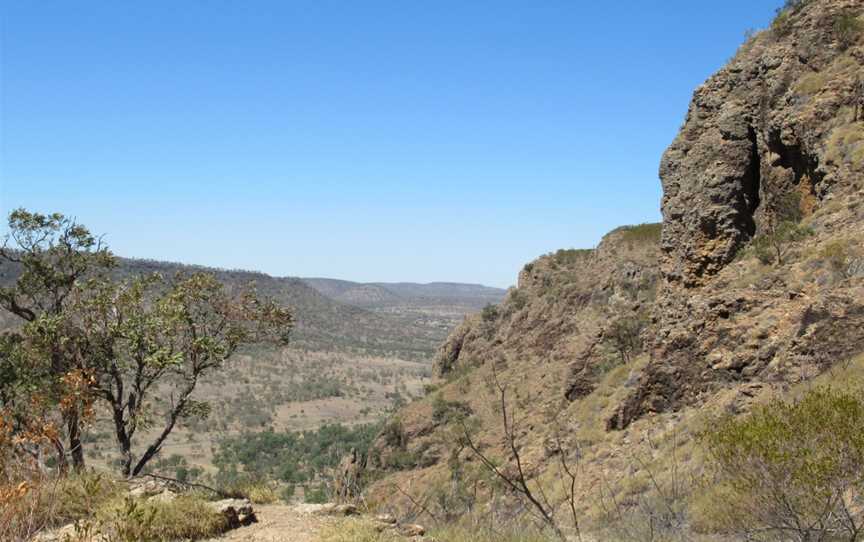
782, 119
573, 324
615, 359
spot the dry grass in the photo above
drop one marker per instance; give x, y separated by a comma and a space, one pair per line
846, 145
100, 512
183, 518
39, 502
351, 530
258, 492
811, 83
459, 533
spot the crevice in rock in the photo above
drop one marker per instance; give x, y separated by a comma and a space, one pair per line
804, 167
751, 184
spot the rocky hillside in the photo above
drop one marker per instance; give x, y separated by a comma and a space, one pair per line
615, 358
782, 121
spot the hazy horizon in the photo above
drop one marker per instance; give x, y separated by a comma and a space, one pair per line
373, 142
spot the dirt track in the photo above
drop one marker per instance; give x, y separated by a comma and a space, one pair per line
279, 523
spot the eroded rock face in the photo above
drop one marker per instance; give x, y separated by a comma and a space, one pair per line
552, 329
778, 120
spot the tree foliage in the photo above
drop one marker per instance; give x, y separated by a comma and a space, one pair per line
86, 338
782, 230
50, 255
151, 332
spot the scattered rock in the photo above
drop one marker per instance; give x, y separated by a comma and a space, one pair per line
385, 518
238, 512
412, 529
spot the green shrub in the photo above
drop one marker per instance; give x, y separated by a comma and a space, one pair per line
782, 230
790, 470
641, 233
782, 24
394, 434
517, 300
447, 412
316, 494
624, 336
570, 256
184, 518
489, 313
847, 29
772, 246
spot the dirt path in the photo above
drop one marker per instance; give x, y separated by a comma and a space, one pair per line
279, 523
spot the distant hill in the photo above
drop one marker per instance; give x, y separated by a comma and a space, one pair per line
323, 322
382, 294
403, 320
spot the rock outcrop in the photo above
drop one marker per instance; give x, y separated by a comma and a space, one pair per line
618, 351
779, 123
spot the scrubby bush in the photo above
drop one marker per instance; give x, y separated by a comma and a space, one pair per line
183, 518
790, 470
35, 502
489, 313
570, 256
781, 231
847, 29
641, 233
624, 335
316, 494
782, 23
842, 258
447, 412
517, 300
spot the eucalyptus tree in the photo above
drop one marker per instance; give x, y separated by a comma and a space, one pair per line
45, 258
154, 337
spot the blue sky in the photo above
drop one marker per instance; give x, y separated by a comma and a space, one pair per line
371, 141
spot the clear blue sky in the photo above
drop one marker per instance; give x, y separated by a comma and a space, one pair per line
365, 140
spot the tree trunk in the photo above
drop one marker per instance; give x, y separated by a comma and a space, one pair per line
62, 462
76, 447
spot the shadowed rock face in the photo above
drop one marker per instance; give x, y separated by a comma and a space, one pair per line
752, 133
777, 120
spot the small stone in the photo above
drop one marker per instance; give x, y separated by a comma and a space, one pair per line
385, 518
412, 529
237, 511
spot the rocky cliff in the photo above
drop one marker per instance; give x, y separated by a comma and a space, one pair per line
755, 285
780, 122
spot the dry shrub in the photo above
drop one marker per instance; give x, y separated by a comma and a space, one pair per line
183, 518
357, 531
790, 471
36, 501
846, 145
